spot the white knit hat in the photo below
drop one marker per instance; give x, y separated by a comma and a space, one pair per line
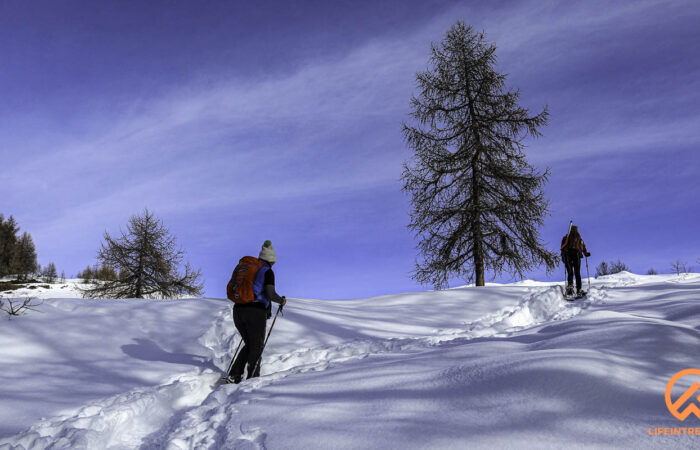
267, 252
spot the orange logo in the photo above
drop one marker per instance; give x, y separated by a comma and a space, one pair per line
675, 407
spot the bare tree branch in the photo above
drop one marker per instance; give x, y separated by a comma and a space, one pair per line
13, 308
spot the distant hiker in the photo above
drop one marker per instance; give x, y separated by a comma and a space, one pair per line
252, 288
572, 250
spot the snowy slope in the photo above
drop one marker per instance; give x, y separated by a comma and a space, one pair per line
496, 367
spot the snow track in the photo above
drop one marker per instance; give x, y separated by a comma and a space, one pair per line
117, 422
122, 421
185, 412
219, 410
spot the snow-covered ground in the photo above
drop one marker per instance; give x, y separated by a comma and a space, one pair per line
509, 366
70, 288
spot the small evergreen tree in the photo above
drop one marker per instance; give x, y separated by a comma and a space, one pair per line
17, 253
477, 203
26, 259
106, 273
86, 274
8, 246
50, 273
148, 261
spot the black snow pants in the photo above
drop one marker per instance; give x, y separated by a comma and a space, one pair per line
250, 321
572, 261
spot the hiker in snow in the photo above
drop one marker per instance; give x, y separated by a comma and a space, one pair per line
572, 250
252, 288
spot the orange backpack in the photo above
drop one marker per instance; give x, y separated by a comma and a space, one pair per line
571, 242
240, 287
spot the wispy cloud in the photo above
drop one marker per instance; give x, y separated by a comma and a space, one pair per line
320, 129
316, 134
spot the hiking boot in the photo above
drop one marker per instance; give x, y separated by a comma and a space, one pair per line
569, 290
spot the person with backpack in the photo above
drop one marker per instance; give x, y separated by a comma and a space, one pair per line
252, 289
572, 250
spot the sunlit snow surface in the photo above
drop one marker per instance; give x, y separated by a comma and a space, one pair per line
505, 366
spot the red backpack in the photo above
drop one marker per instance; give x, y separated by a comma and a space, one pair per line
240, 287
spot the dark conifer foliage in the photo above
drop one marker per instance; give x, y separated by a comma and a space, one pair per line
17, 254
26, 256
148, 261
104, 273
477, 203
50, 273
8, 245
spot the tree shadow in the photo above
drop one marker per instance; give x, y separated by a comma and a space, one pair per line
147, 350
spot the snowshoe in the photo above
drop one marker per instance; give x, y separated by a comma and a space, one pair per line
569, 294
227, 380
232, 379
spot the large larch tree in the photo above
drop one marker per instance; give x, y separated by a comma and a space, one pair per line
477, 203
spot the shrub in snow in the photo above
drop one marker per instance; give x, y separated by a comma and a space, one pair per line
610, 268
9, 286
680, 267
14, 308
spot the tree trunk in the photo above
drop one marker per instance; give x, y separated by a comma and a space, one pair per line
476, 196
139, 276
476, 224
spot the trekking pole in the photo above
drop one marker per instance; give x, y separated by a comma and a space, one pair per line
230, 366
588, 275
228, 372
257, 364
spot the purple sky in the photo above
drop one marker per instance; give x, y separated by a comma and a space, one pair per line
282, 121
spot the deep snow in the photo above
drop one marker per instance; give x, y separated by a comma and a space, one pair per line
511, 366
